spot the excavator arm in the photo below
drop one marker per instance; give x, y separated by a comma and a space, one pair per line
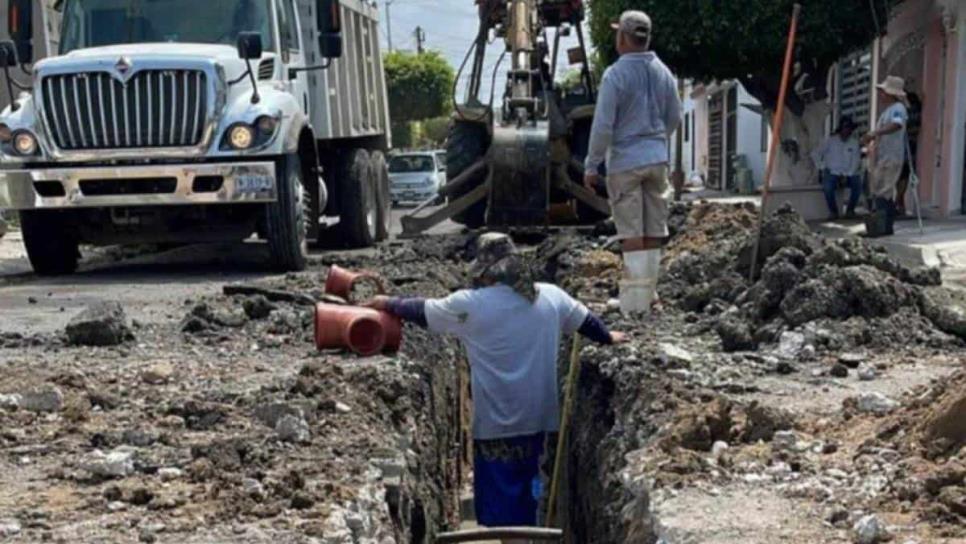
532, 142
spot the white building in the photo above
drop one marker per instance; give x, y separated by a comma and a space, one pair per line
724, 137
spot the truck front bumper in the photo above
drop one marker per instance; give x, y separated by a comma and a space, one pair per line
147, 185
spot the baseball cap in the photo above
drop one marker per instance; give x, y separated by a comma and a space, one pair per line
635, 23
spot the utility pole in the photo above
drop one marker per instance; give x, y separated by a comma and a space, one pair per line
420, 39
389, 24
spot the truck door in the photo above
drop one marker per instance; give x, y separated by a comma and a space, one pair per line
291, 51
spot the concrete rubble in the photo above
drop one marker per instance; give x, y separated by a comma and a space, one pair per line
820, 402
101, 324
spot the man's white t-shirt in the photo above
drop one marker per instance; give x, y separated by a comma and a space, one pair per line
512, 346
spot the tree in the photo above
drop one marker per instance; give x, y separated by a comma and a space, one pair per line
420, 86
433, 132
717, 40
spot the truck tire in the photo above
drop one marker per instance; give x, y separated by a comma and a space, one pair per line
286, 222
380, 176
50, 247
467, 143
359, 208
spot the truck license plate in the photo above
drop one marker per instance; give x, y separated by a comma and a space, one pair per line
254, 184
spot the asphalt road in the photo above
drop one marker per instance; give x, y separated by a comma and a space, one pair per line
152, 287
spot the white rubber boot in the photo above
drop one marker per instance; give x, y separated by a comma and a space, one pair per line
638, 289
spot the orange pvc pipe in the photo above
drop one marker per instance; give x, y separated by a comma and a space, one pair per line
776, 136
340, 282
362, 330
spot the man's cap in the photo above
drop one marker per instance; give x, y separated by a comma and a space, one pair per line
634, 23
491, 248
846, 122
497, 261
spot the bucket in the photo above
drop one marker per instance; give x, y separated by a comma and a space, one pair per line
340, 282
362, 330
877, 224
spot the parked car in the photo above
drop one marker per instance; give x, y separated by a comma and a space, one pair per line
416, 177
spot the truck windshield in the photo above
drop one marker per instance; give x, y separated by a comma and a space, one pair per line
93, 23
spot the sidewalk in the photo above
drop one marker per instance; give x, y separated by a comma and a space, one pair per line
942, 242
712, 195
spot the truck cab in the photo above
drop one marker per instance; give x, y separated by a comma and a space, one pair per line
177, 121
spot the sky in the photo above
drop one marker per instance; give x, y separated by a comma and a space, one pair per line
450, 27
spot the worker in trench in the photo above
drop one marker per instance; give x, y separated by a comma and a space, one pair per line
511, 328
638, 107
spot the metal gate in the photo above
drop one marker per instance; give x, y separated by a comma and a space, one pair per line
854, 87
715, 140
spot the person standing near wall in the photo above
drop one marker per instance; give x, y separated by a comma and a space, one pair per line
638, 108
889, 151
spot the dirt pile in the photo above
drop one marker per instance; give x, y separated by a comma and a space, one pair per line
804, 281
223, 423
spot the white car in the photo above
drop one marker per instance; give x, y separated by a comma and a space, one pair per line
416, 177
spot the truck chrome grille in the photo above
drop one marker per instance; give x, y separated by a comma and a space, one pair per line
155, 108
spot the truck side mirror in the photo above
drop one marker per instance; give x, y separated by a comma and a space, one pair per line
20, 25
249, 45
8, 54
329, 15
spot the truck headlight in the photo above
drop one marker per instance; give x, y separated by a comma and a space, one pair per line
24, 143
241, 136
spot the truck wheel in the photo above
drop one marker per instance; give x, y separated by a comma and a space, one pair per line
50, 247
380, 177
359, 208
286, 224
466, 144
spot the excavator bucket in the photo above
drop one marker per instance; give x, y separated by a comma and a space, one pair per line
519, 160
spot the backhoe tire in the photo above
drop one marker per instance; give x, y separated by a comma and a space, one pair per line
579, 143
358, 200
467, 143
286, 222
380, 176
51, 247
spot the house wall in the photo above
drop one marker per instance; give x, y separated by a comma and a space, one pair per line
926, 45
749, 136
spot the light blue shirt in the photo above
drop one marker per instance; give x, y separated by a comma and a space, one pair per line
638, 107
892, 147
512, 346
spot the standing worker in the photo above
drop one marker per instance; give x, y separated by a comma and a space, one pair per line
511, 328
637, 109
890, 148
839, 159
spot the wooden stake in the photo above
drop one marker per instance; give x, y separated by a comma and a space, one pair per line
776, 135
570, 394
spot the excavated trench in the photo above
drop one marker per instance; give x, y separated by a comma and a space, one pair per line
386, 448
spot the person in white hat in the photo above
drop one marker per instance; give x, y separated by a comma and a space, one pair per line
638, 107
889, 139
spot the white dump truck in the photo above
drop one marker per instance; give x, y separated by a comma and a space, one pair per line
179, 121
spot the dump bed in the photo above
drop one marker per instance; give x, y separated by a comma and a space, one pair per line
349, 99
